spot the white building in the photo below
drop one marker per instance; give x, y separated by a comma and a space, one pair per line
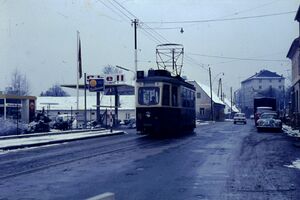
203, 103
263, 84
67, 105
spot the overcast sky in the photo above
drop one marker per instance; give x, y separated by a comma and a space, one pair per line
38, 37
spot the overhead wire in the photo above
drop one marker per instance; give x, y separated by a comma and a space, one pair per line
237, 58
220, 19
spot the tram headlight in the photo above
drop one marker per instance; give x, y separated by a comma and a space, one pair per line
148, 114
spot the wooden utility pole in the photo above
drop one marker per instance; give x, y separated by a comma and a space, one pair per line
230, 102
211, 97
135, 24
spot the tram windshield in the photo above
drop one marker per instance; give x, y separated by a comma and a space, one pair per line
148, 96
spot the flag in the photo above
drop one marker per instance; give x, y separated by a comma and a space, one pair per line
79, 58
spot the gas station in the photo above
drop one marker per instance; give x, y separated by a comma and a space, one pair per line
108, 85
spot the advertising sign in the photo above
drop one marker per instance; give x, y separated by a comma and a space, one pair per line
95, 83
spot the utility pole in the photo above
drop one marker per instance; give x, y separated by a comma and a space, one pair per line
85, 120
135, 23
211, 97
230, 102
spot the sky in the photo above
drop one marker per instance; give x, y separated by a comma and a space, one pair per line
39, 38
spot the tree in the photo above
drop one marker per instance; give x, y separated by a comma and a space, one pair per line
109, 69
19, 84
55, 91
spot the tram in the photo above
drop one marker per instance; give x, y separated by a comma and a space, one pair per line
165, 104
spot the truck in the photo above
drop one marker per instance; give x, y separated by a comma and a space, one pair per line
263, 104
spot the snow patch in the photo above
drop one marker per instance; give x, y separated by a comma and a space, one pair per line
295, 164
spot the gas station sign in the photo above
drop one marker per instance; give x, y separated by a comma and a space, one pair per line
95, 83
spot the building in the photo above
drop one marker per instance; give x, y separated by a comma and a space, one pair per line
53, 106
262, 84
203, 103
294, 55
21, 108
230, 108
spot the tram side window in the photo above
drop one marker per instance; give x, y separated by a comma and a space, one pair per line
148, 96
174, 96
166, 95
184, 97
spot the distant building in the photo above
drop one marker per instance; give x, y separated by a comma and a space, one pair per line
294, 55
262, 84
21, 108
67, 105
230, 108
203, 103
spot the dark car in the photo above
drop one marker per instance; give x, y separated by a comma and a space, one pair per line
63, 122
269, 121
260, 111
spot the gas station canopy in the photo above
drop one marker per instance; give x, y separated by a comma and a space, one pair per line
110, 89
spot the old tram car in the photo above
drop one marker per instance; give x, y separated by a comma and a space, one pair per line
165, 104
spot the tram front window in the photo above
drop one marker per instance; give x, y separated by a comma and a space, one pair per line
148, 95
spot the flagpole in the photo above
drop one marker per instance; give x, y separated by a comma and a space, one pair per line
77, 86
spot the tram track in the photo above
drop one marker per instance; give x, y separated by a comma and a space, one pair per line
96, 151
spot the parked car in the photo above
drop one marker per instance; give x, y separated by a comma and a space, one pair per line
260, 111
40, 124
269, 121
63, 122
131, 123
239, 118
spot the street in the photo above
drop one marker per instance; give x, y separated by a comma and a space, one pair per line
219, 161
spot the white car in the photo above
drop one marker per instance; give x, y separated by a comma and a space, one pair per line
239, 118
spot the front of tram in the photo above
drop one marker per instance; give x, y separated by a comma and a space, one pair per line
147, 104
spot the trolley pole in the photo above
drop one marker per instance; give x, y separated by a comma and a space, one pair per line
211, 97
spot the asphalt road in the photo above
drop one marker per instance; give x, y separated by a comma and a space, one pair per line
218, 161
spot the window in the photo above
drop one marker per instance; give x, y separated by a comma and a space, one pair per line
270, 80
279, 80
201, 111
259, 87
148, 95
174, 96
166, 95
260, 81
198, 95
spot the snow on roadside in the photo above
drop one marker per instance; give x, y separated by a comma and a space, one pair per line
8, 127
290, 132
295, 164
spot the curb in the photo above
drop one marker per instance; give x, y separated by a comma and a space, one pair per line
59, 141
47, 133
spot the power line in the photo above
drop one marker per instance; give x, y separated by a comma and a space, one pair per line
237, 58
148, 31
122, 16
250, 9
220, 19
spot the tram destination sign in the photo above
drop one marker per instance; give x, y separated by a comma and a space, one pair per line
95, 83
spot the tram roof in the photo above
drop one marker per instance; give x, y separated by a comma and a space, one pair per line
172, 79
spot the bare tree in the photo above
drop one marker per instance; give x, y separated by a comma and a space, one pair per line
55, 91
109, 69
19, 84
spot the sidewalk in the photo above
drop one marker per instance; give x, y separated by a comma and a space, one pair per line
40, 139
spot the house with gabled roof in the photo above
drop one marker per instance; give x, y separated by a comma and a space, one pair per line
203, 103
262, 84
